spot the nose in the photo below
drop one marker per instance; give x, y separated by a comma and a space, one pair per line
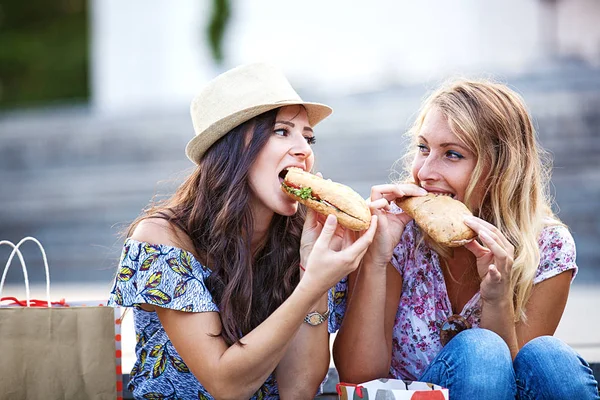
301, 148
428, 169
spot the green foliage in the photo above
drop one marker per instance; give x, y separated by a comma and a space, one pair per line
43, 52
216, 28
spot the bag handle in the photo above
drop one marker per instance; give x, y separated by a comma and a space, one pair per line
24, 268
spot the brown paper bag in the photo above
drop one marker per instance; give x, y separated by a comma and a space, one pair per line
57, 352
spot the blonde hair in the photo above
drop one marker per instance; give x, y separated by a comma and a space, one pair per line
493, 122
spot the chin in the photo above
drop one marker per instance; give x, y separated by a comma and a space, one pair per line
289, 211
287, 208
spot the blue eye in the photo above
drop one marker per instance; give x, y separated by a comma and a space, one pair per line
422, 148
454, 154
311, 140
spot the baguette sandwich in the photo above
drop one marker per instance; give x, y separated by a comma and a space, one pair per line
439, 216
327, 197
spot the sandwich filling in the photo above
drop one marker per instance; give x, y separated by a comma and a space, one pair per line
306, 193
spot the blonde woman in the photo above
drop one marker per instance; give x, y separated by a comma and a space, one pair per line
409, 318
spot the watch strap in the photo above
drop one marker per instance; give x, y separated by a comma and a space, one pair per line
315, 318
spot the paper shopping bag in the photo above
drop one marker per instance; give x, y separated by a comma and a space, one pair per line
391, 389
56, 352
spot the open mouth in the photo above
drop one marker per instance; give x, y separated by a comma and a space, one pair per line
282, 175
284, 172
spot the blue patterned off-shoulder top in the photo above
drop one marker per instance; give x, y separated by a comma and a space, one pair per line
172, 278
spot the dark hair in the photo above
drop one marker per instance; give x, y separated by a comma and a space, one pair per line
212, 208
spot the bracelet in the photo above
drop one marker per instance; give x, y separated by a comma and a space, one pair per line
314, 318
301, 267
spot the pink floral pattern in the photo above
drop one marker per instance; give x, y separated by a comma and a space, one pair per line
424, 303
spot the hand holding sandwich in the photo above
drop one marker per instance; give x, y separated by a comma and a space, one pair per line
390, 224
322, 198
330, 235
494, 261
334, 254
313, 225
495, 257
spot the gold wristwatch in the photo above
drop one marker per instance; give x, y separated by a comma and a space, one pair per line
314, 318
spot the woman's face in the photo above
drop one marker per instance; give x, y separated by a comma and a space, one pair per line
442, 163
288, 146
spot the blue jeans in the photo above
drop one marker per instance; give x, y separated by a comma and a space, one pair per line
476, 364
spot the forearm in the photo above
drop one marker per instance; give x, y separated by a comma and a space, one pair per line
306, 361
331, 257
499, 318
247, 367
362, 335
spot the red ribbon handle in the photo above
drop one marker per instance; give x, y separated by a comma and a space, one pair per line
33, 302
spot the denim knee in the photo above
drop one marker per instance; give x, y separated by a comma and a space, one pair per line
482, 348
548, 368
476, 363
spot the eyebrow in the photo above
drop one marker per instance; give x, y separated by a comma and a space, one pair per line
446, 144
291, 124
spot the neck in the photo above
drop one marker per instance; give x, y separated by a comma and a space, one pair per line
461, 266
461, 278
461, 254
259, 235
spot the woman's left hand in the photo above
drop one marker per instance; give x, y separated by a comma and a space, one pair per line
494, 261
313, 225
390, 224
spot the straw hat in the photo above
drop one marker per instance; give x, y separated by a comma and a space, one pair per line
238, 95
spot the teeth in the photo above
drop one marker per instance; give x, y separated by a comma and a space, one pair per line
445, 194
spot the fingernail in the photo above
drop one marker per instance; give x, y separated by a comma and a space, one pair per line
330, 219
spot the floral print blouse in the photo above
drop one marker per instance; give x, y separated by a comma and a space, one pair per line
168, 277
424, 303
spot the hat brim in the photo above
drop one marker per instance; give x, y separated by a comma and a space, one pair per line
196, 147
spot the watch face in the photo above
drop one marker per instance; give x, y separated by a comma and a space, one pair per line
315, 319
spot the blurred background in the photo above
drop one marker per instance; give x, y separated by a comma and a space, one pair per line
94, 108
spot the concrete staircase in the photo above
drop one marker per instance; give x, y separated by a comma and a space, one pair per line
74, 180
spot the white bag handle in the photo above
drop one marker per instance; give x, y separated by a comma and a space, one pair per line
24, 268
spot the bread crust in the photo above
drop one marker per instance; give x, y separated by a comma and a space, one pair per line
441, 217
352, 210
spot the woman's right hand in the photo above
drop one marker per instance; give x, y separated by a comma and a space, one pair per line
336, 252
390, 224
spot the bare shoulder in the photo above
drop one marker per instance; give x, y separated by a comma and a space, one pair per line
160, 231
